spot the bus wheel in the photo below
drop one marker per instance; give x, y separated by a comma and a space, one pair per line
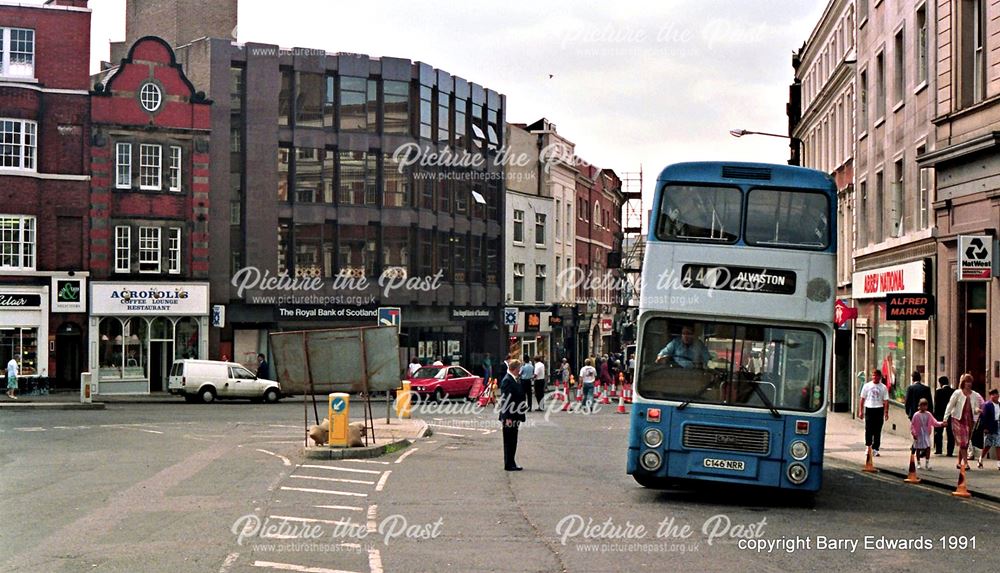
651, 482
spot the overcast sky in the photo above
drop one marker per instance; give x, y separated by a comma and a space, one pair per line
638, 84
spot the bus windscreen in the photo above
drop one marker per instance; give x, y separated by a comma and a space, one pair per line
700, 213
708, 362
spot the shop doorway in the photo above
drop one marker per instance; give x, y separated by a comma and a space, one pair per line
161, 354
975, 335
69, 350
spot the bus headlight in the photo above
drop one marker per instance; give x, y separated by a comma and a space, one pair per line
797, 473
652, 437
799, 450
651, 460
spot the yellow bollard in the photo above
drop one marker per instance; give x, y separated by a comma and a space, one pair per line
339, 411
404, 401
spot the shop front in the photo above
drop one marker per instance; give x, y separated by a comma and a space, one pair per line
887, 336
531, 337
24, 327
137, 330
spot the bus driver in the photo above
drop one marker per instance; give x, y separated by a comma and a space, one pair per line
686, 351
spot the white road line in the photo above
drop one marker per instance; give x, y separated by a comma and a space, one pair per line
403, 457
70, 427
372, 518
329, 491
31, 429
308, 519
147, 431
335, 468
343, 507
364, 461
299, 568
230, 559
284, 426
488, 432
452, 435
340, 480
456, 427
284, 460
431, 442
284, 442
381, 481
374, 560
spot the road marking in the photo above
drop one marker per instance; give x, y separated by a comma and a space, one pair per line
374, 560
230, 559
431, 442
403, 457
284, 460
364, 461
284, 426
381, 481
372, 518
30, 429
308, 520
70, 427
147, 431
329, 491
335, 468
343, 507
335, 479
452, 435
300, 568
285, 442
466, 428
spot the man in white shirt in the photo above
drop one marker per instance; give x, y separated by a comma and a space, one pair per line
874, 410
12, 371
539, 381
413, 367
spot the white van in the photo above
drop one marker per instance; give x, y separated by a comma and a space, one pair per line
206, 380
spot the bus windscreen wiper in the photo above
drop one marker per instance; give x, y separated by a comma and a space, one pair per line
763, 398
683, 404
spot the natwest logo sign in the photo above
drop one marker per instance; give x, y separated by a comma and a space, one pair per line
975, 257
878, 283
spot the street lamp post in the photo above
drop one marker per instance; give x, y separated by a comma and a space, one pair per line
797, 145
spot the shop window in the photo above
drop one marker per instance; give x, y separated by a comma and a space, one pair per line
186, 338
21, 342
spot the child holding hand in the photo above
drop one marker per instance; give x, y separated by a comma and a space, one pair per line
920, 428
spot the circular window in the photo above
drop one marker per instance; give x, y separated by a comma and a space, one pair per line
150, 97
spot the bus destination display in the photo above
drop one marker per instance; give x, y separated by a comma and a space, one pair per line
733, 278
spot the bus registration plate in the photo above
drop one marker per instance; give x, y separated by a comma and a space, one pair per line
735, 465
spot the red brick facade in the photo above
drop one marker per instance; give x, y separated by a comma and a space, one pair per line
49, 191
179, 122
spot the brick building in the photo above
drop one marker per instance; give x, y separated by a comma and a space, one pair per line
598, 234
149, 221
44, 186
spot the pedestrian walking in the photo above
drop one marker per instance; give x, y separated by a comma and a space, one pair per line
588, 375
920, 427
990, 421
874, 410
963, 411
13, 369
539, 381
512, 408
527, 375
412, 368
915, 393
941, 398
487, 367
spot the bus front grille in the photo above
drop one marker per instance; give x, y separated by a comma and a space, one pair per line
726, 439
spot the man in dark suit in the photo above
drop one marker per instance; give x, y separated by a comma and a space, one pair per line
941, 397
263, 371
914, 393
512, 408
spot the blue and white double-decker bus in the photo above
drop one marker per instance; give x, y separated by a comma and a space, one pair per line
735, 342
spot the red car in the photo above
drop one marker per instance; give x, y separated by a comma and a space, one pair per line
443, 382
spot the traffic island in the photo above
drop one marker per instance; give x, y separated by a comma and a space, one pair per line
389, 438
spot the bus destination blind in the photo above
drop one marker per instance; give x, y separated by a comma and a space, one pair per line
743, 279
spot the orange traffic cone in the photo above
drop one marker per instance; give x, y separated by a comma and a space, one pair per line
869, 465
961, 490
912, 477
604, 397
621, 403
628, 393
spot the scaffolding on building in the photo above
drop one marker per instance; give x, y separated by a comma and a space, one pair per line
633, 249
